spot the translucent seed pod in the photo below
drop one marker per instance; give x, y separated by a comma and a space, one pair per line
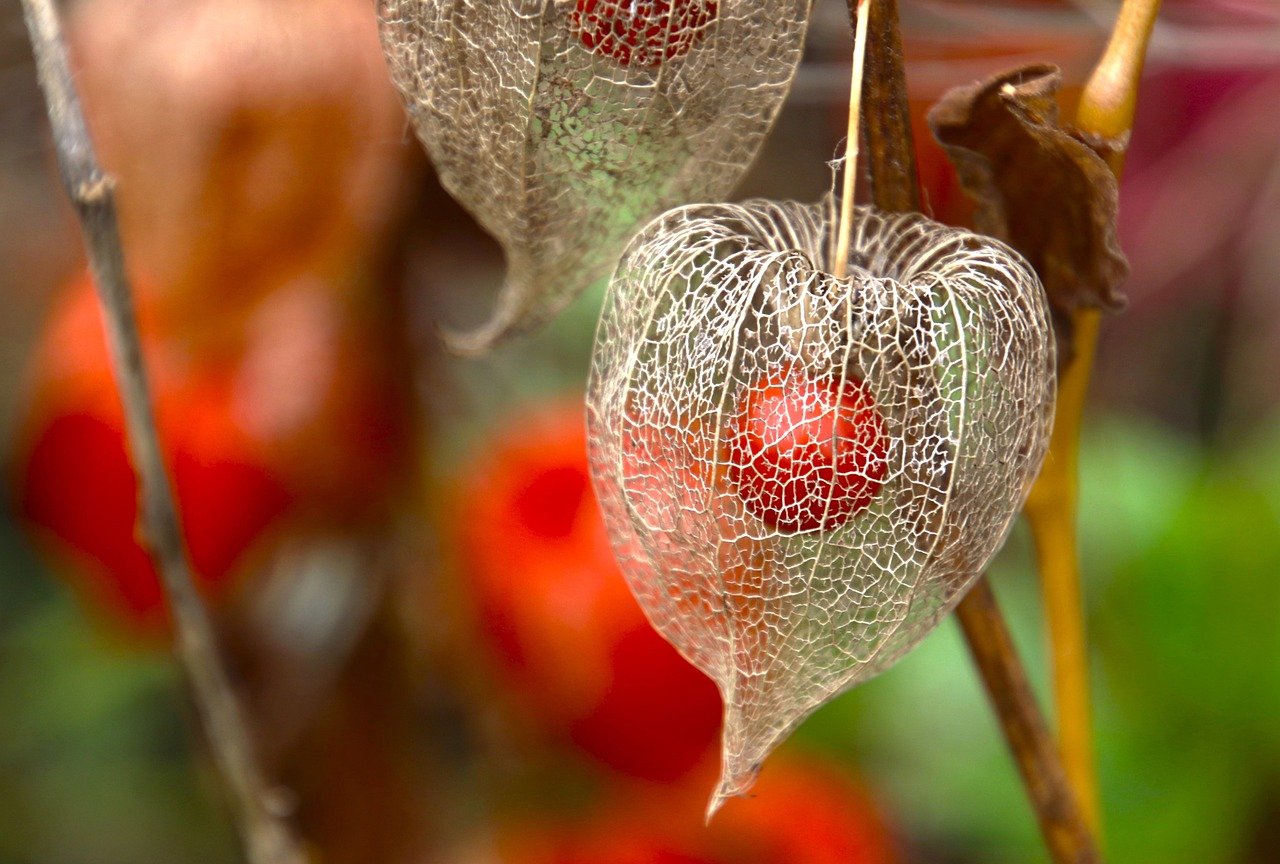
924, 380
565, 125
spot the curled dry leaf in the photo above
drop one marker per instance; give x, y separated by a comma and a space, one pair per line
910, 404
1037, 186
563, 125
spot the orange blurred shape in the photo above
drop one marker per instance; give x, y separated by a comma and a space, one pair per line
251, 139
280, 433
799, 813
566, 635
802, 812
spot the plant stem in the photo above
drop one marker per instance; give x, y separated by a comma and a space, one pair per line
1051, 512
1065, 833
894, 188
887, 115
267, 838
1110, 98
1105, 118
844, 228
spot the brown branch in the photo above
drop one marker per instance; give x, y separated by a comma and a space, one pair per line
1065, 832
1105, 119
1051, 512
887, 115
891, 154
844, 225
267, 838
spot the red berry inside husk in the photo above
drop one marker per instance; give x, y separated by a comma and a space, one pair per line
806, 453
644, 32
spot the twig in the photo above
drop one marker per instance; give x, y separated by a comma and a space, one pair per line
1065, 832
1051, 513
267, 838
887, 117
844, 227
1110, 97
894, 188
1105, 118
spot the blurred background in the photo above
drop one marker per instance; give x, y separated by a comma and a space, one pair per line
401, 548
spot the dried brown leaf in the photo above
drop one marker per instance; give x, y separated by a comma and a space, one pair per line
1037, 186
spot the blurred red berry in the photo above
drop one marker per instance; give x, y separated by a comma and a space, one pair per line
256, 440
799, 813
570, 639
76, 484
610, 842
644, 32
806, 453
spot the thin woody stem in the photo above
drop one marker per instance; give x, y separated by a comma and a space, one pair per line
886, 116
844, 229
1051, 513
267, 837
1105, 118
1065, 833
1110, 99
894, 188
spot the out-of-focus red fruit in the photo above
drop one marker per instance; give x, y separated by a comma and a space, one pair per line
251, 140
569, 637
76, 485
256, 440
799, 813
610, 842
644, 32
806, 453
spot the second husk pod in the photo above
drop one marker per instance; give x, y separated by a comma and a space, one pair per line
801, 473
565, 125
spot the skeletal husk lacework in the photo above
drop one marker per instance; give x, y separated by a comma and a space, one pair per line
565, 125
929, 369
